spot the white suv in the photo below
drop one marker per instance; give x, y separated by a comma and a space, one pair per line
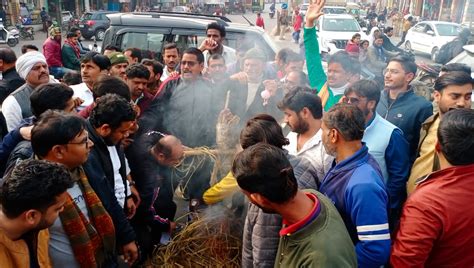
336, 30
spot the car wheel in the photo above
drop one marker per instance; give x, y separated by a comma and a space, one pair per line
408, 46
99, 34
434, 54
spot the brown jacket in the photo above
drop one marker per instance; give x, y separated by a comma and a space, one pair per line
14, 254
423, 133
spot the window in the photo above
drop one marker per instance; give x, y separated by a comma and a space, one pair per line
340, 25
150, 43
448, 29
420, 27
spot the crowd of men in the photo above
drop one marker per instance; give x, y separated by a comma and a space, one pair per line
326, 160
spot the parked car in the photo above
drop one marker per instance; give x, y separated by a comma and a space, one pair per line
149, 32
336, 30
429, 36
66, 17
182, 9
303, 8
94, 23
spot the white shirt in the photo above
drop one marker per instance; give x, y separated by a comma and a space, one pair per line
165, 74
60, 248
12, 112
120, 187
313, 150
228, 53
82, 91
252, 92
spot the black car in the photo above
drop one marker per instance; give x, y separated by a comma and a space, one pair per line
151, 31
94, 23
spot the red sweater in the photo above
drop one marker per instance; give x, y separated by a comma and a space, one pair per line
52, 52
352, 48
437, 223
260, 23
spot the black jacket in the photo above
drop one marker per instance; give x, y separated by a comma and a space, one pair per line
407, 112
9, 83
388, 45
99, 171
185, 110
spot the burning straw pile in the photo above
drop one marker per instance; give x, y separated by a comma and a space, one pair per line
211, 240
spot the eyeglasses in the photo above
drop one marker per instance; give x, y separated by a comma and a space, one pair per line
188, 63
391, 71
83, 141
351, 100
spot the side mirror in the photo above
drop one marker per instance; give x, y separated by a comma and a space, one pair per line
430, 32
364, 29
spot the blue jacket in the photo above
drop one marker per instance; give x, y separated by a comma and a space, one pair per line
390, 149
356, 187
407, 112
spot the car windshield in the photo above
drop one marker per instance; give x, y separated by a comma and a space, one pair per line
340, 25
334, 10
447, 29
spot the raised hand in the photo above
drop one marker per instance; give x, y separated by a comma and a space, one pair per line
314, 12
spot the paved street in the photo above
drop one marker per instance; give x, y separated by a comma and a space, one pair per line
269, 26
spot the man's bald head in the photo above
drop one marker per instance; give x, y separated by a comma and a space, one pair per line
168, 151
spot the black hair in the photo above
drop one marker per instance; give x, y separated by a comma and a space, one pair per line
456, 67
157, 66
456, 136
365, 88
112, 47
344, 59
196, 52
135, 53
215, 57
362, 42
452, 78
302, 78
71, 34
33, 184
408, 65
355, 36
388, 29
107, 84
300, 98
170, 46
293, 56
262, 128
216, 26
112, 110
55, 128
72, 78
7, 55
137, 70
347, 119
282, 54
51, 96
264, 169
98, 59
24, 48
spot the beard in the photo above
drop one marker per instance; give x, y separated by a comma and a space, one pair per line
300, 127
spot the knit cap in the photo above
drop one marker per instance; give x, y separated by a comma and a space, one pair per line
255, 53
117, 57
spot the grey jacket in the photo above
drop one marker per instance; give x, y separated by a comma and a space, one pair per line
261, 230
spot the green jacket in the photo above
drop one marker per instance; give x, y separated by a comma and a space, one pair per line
324, 242
69, 58
317, 76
